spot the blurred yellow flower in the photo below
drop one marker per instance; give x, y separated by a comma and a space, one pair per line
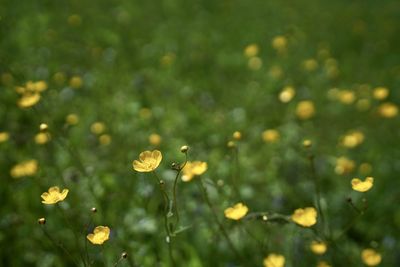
344, 165
167, 59
362, 186
236, 212
275, 72
254, 63
318, 248
145, 113
270, 136
305, 110
148, 161
363, 104
352, 139
310, 64
25, 168
237, 135
388, 110
346, 97
98, 127
274, 260
42, 138
305, 217
192, 169
155, 139
251, 50
72, 119
59, 78
380, 93
279, 43
4, 136
370, 257
54, 195
28, 100
323, 264
105, 139
74, 20
76, 82
99, 236
287, 94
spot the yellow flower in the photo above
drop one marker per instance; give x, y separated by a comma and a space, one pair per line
388, 110
4, 136
148, 161
155, 139
54, 195
370, 257
305, 217
344, 165
72, 119
251, 50
254, 63
42, 138
105, 139
287, 94
275, 72
274, 260
192, 169
310, 64
237, 135
352, 139
380, 93
76, 82
236, 212
167, 59
270, 136
361, 186
59, 78
346, 96
98, 127
74, 20
28, 100
305, 110
99, 236
279, 43
26, 168
318, 248
323, 264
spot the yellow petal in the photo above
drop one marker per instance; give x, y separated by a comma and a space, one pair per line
236, 212
361, 186
305, 217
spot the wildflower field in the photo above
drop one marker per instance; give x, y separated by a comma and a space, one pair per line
200, 133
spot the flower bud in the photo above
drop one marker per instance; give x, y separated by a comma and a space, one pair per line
94, 210
307, 143
43, 127
184, 149
42, 221
124, 255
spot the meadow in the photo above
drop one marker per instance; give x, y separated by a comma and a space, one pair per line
200, 133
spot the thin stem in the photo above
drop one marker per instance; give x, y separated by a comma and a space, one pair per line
236, 171
215, 217
175, 189
59, 245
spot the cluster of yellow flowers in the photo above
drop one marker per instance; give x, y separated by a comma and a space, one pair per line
98, 128
30, 93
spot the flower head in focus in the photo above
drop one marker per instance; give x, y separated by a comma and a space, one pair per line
306, 217
99, 236
148, 161
362, 186
236, 212
54, 195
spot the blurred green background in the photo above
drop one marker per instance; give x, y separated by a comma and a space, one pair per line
162, 74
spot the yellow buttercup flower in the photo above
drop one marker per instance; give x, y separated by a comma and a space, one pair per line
105, 139
28, 100
361, 186
98, 127
318, 248
323, 264
310, 64
99, 236
370, 257
148, 161
346, 97
251, 50
279, 43
72, 119
42, 138
344, 165
4, 136
352, 139
192, 169
270, 136
388, 110
305, 110
76, 82
25, 168
380, 93
237, 135
254, 63
54, 195
274, 260
236, 212
155, 139
287, 94
305, 217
